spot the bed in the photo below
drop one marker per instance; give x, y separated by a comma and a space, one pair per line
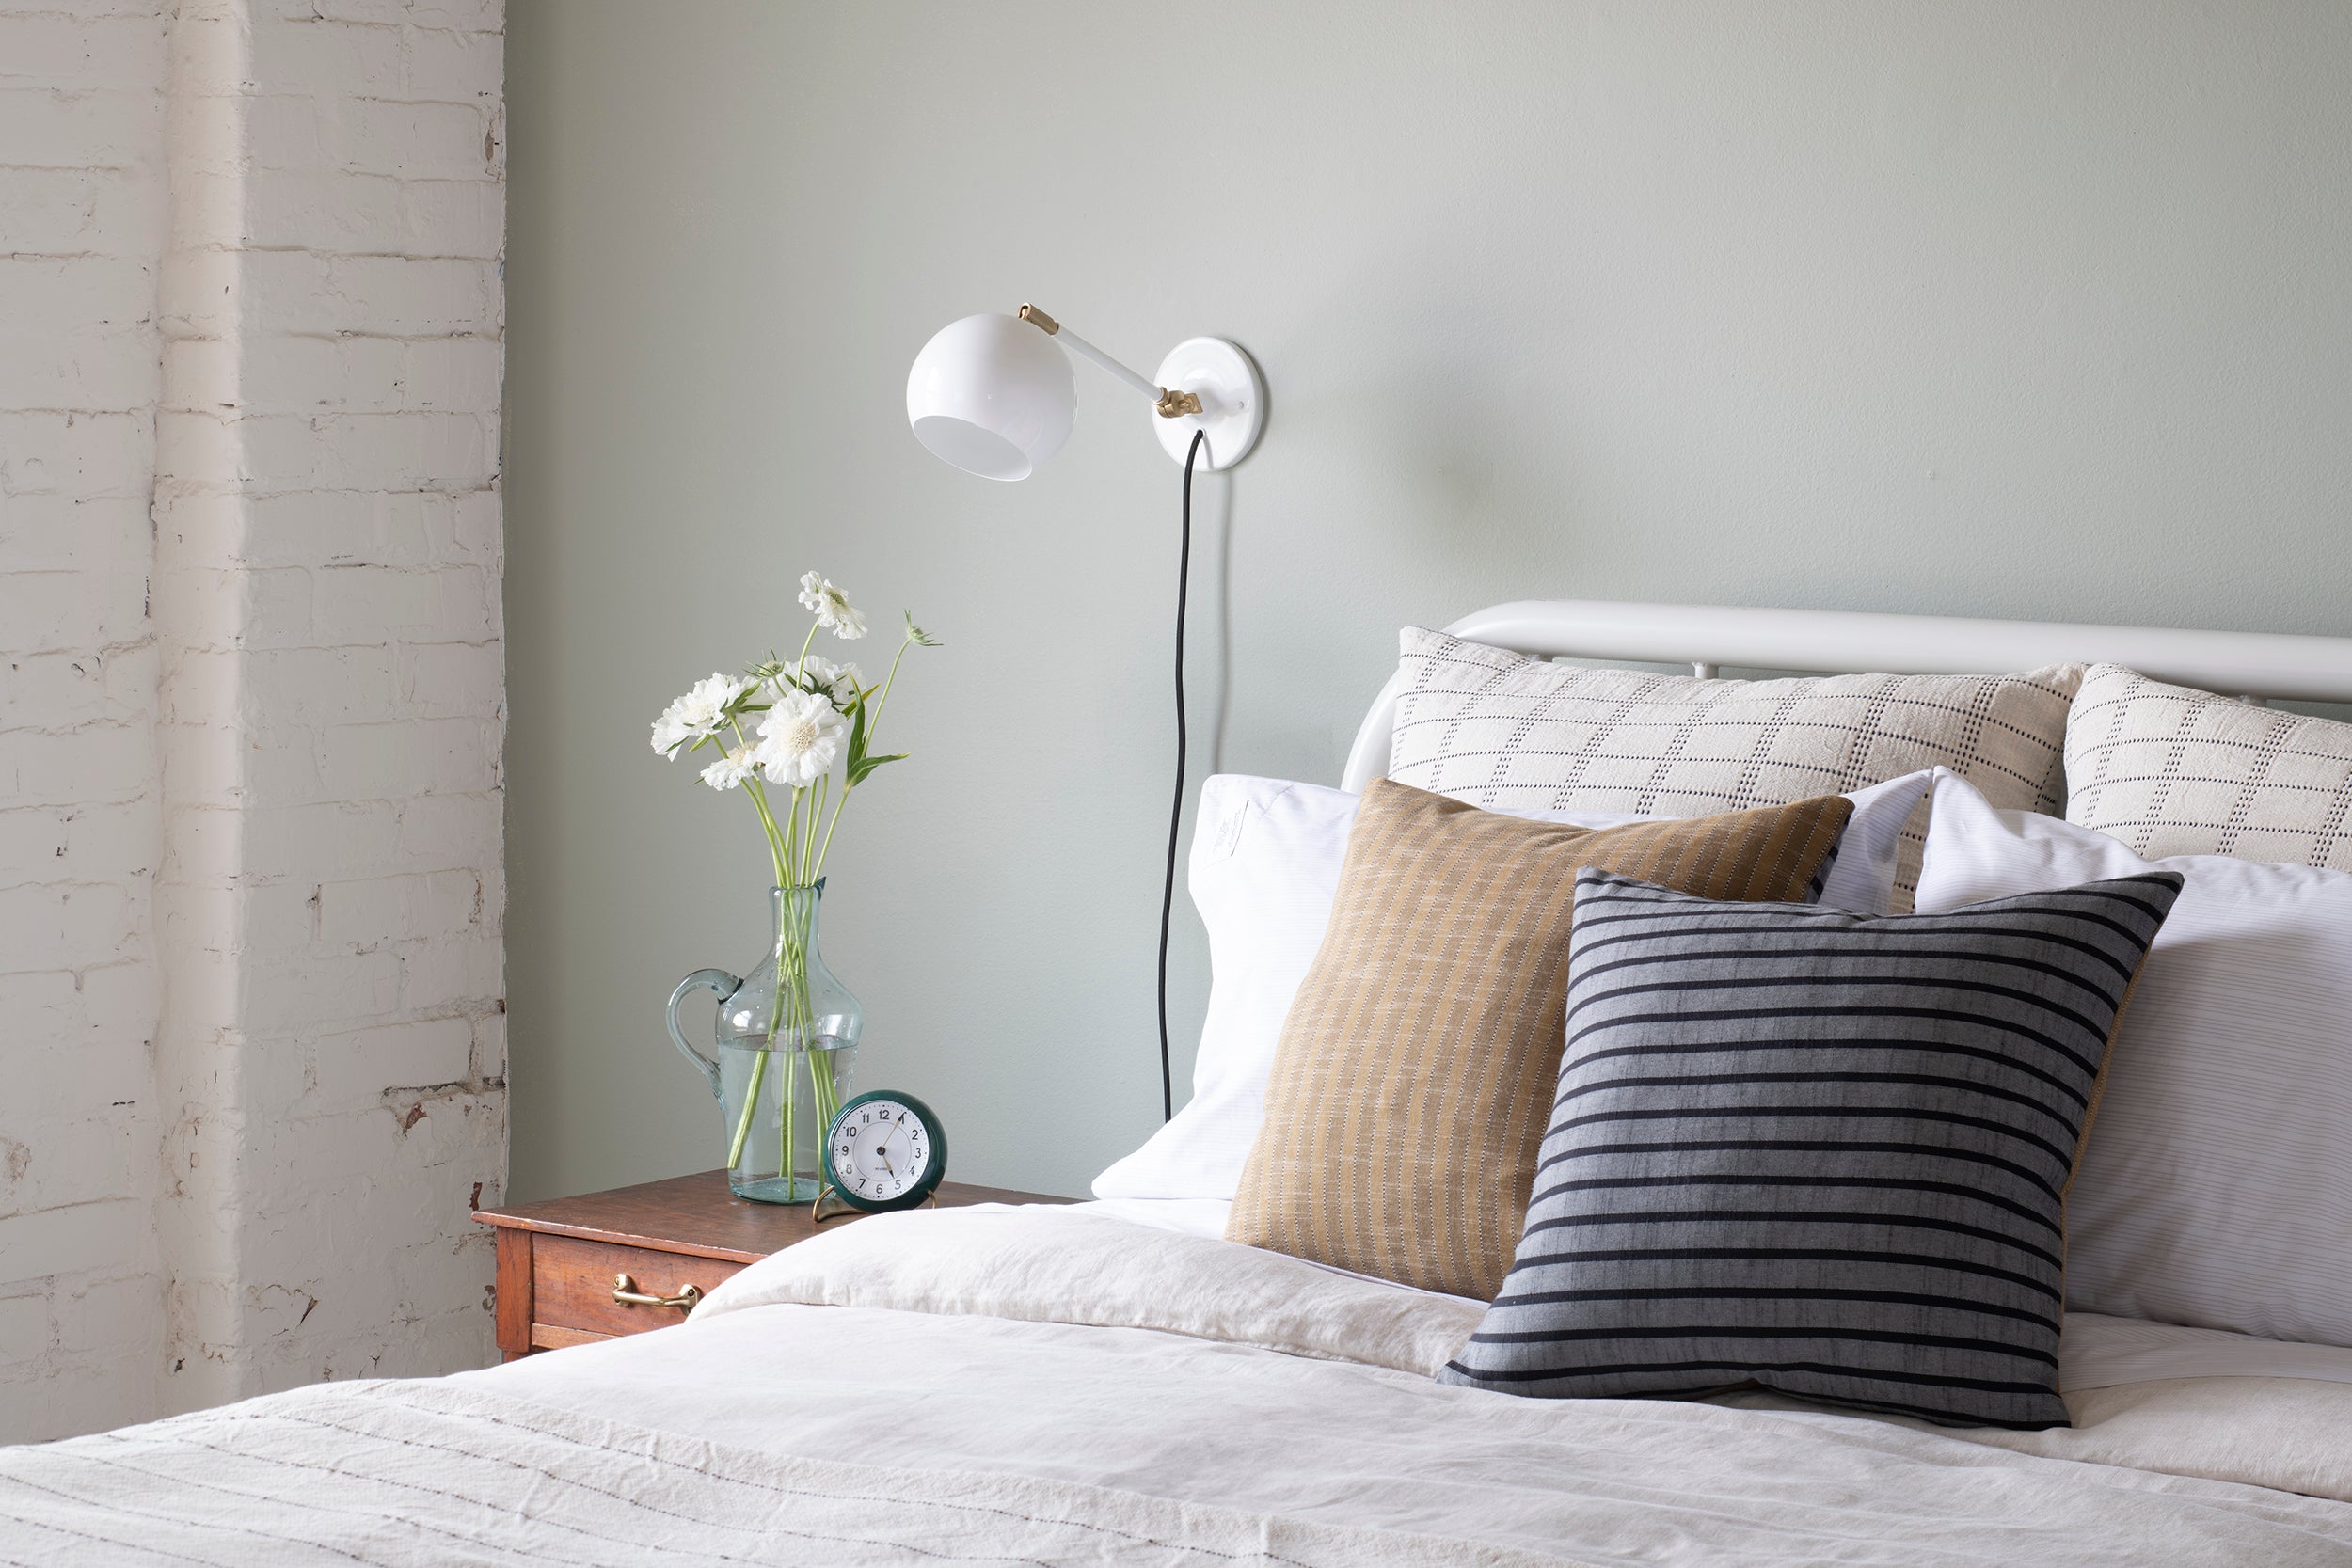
1114, 1382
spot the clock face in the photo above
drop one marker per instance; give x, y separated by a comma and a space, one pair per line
885, 1150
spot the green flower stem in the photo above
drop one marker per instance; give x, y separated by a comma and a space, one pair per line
750, 1103
790, 1125
792, 1029
825, 848
784, 965
817, 812
792, 923
776, 854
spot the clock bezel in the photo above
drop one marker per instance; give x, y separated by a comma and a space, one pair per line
926, 1182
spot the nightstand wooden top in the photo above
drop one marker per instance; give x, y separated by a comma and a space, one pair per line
697, 1216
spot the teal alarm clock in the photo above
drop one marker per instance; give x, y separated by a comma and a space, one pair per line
884, 1150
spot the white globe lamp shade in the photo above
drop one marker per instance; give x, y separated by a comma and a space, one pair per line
992, 395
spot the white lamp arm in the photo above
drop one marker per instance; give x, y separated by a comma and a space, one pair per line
1170, 404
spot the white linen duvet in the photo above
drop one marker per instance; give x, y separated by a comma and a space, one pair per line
1053, 1385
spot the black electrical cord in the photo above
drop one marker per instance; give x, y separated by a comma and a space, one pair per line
1176, 811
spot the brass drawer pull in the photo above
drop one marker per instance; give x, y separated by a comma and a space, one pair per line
624, 1291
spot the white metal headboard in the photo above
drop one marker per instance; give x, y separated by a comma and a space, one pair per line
2251, 664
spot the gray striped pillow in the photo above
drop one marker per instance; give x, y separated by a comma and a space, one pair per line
1816, 1152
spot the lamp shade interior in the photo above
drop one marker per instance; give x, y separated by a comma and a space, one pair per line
992, 395
970, 448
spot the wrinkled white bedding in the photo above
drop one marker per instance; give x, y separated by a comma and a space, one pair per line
1054, 1386
2094, 1351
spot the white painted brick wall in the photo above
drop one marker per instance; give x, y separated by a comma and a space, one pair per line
82, 218
251, 697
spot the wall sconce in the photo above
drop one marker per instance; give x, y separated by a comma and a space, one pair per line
994, 396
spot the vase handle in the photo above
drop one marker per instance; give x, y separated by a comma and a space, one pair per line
722, 986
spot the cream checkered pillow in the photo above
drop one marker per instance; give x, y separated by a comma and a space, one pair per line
1504, 730
2173, 771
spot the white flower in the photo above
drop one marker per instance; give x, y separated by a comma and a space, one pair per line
830, 607
799, 740
732, 768
840, 682
696, 714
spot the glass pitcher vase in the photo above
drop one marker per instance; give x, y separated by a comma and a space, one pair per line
787, 1036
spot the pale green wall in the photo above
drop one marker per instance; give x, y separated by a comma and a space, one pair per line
2010, 309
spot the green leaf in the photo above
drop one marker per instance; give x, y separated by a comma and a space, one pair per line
857, 736
860, 765
863, 766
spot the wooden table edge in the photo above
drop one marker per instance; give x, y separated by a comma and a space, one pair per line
619, 1237
511, 1219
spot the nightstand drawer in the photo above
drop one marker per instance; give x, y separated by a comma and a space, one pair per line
557, 1259
572, 1281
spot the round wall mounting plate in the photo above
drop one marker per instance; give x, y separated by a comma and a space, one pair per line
1233, 399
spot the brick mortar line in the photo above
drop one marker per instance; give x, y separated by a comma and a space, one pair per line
371, 23
330, 254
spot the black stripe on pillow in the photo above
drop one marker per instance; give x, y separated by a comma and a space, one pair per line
1818, 1152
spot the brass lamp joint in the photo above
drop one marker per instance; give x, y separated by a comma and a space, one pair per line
1175, 406
1039, 319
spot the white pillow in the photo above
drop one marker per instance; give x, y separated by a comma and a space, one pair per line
1265, 867
2215, 1189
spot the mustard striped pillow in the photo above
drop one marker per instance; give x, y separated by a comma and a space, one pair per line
1415, 1073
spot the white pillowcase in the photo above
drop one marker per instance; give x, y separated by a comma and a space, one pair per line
1265, 868
2216, 1187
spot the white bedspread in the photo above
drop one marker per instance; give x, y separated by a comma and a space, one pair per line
2094, 1351
1049, 1385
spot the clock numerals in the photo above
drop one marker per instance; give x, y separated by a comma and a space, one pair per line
881, 1154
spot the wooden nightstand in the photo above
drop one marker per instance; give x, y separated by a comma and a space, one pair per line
676, 1240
